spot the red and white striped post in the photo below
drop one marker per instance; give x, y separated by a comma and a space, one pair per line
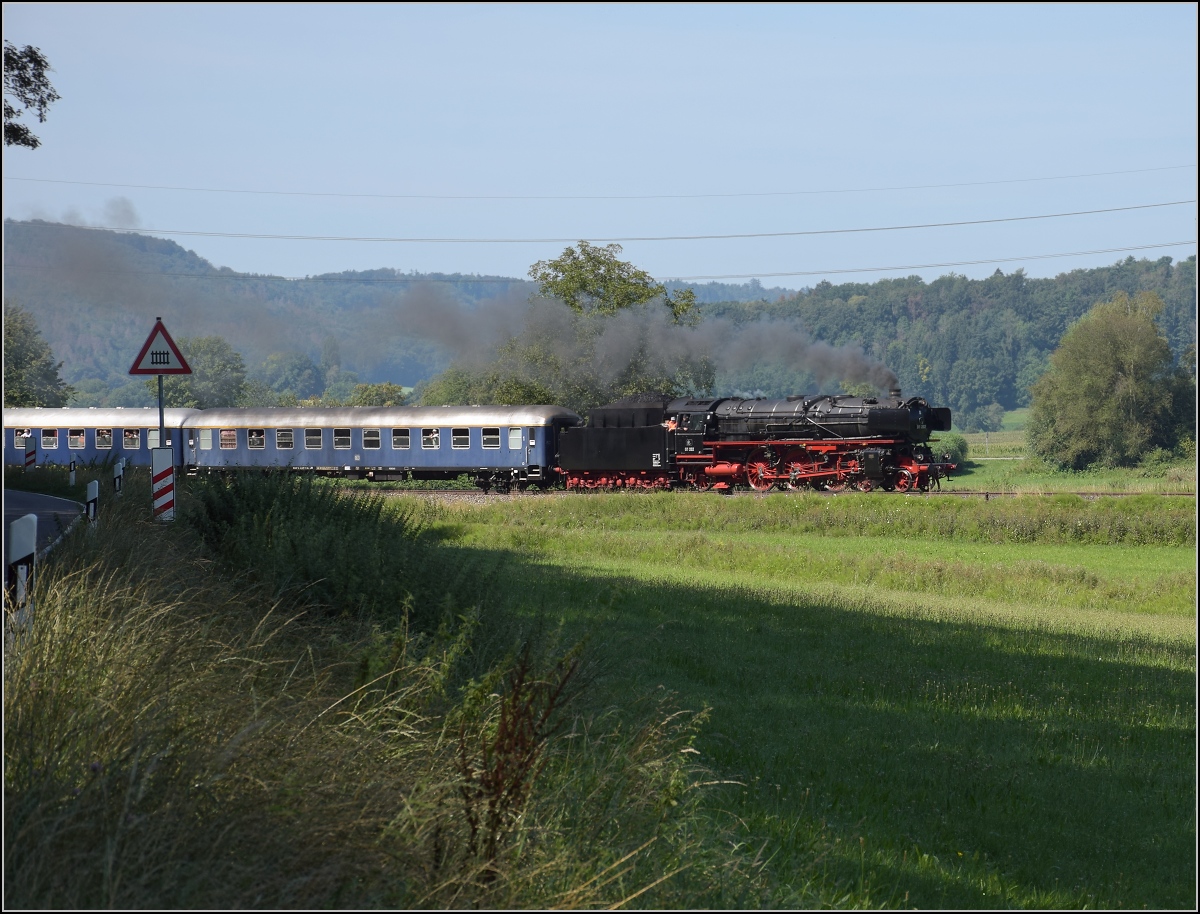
162, 483
30, 452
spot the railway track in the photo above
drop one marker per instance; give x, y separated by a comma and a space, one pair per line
475, 494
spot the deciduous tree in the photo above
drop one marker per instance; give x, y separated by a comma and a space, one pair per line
25, 81
218, 375
31, 376
591, 279
292, 372
1111, 393
384, 394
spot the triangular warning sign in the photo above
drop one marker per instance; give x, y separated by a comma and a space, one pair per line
160, 355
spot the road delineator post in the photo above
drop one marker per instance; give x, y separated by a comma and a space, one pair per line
118, 477
30, 453
162, 483
93, 501
19, 564
71, 480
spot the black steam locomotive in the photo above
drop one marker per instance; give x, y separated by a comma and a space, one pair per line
822, 442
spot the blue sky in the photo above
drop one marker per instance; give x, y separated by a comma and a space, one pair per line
659, 102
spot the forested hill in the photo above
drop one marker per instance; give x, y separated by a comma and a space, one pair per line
92, 291
959, 342
969, 343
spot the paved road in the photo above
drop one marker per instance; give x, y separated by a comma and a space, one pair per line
54, 514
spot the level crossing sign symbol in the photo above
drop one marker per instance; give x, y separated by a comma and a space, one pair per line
160, 355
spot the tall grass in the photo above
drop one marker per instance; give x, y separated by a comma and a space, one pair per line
191, 723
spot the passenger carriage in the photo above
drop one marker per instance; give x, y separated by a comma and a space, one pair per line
499, 445
92, 435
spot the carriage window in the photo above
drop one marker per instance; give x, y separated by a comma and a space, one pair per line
514, 439
228, 439
49, 439
152, 437
371, 438
460, 437
284, 439
341, 438
131, 439
206, 439
431, 437
312, 438
400, 439
491, 438
21, 436
76, 439
104, 438
257, 438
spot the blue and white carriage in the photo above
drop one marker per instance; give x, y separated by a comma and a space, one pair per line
500, 445
92, 435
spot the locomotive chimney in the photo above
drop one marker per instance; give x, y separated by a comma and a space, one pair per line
894, 392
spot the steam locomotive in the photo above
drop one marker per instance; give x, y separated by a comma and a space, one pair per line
822, 442
644, 442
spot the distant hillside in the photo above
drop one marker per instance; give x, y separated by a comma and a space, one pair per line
960, 342
95, 294
94, 291
968, 343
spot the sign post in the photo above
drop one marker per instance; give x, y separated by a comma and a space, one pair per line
161, 356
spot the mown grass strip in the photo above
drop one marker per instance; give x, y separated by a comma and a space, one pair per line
1138, 520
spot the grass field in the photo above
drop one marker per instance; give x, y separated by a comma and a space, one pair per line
978, 708
291, 697
1032, 476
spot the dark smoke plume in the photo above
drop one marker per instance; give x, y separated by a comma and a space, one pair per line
604, 346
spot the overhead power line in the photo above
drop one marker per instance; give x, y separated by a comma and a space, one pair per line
575, 238
769, 193
930, 266
501, 279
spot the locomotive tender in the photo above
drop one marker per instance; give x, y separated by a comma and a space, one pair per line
643, 442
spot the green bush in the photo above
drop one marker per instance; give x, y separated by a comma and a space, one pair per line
953, 444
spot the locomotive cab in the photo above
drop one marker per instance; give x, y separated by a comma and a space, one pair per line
693, 422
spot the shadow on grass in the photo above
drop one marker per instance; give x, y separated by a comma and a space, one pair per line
944, 763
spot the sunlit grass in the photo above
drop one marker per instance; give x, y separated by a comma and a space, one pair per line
987, 719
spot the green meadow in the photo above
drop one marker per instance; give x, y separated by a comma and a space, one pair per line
303, 694
930, 702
